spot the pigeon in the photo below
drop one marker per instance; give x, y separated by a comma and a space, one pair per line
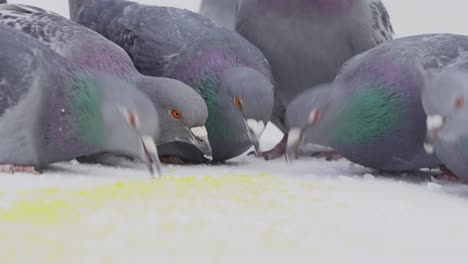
316, 97
444, 102
374, 114
52, 110
306, 42
222, 12
231, 75
182, 112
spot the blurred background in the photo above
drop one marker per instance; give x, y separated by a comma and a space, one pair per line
408, 17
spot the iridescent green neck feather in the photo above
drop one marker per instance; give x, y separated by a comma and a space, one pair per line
206, 87
369, 114
86, 105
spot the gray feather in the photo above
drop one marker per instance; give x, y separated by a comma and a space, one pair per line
223, 12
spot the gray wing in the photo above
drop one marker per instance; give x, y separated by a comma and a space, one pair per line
168, 34
104, 16
382, 27
164, 43
51, 29
124, 23
166, 39
176, 35
16, 77
379, 29
18, 64
23, 99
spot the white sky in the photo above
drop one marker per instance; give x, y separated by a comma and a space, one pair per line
409, 17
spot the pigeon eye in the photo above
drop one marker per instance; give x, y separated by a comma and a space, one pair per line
133, 120
238, 102
176, 114
459, 102
315, 116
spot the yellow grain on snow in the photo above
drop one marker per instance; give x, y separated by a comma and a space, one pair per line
172, 216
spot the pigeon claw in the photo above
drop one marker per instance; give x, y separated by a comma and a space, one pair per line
447, 176
12, 169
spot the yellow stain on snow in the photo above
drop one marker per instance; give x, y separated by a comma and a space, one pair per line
160, 216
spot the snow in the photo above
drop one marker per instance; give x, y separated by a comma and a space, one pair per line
249, 210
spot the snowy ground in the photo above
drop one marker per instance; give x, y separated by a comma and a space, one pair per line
249, 211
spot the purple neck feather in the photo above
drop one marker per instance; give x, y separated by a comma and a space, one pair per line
382, 71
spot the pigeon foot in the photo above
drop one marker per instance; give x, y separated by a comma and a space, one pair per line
448, 176
10, 168
276, 152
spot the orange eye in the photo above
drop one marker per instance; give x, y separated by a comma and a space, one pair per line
238, 102
132, 119
176, 114
460, 102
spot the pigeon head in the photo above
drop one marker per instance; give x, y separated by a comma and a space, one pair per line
249, 98
182, 113
443, 99
304, 118
110, 113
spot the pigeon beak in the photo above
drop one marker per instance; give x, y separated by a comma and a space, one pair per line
256, 129
295, 138
435, 124
200, 140
150, 154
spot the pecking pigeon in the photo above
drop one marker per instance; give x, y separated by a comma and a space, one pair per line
222, 12
444, 102
374, 114
307, 41
231, 75
182, 112
52, 110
